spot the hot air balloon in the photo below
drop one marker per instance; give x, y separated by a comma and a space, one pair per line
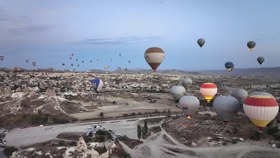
239, 93
27, 61
208, 91
177, 92
186, 82
129, 61
72, 64
97, 59
63, 64
78, 65
76, 59
90, 61
154, 56
34, 63
251, 45
1, 58
226, 107
120, 54
70, 58
72, 54
189, 104
97, 84
229, 66
201, 42
261, 108
260, 60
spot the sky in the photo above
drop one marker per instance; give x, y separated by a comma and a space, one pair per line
48, 32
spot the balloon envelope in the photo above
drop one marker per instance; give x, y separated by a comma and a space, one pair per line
260, 60
186, 82
177, 92
154, 57
251, 45
229, 66
1, 58
208, 91
97, 84
201, 42
226, 107
189, 104
239, 93
261, 108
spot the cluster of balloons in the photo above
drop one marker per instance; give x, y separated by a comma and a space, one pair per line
260, 107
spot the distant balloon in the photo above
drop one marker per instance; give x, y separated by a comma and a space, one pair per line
72, 54
83, 61
90, 61
111, 59
129, 61
34, 63
97, 59
120, 54
261, 108
63, 64
1, 58
189, 104
177, 92
72, 64
229, 66
97, 84
208, 91
78, 65
70, 58
226, 107
27, 61
76, 59
154, 56
251, 45
186, 82
260, 60
239, 93
201, 42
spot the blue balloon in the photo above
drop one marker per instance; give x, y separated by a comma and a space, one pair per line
229, 66
97, 84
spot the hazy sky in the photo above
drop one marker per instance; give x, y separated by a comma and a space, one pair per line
49, 31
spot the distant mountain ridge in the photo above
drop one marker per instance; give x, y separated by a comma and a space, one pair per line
267, 71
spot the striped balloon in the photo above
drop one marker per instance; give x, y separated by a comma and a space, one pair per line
97, 84
154, 56
261, 108
208, 91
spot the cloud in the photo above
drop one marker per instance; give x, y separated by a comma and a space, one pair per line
10, 23
118, 41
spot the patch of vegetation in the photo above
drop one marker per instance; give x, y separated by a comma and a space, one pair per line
8, 151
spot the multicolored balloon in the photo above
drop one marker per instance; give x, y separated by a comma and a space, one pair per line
229, 66
154, 57
208, 91
261, 108
97, 84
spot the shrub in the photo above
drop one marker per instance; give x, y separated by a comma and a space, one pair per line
8, 151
